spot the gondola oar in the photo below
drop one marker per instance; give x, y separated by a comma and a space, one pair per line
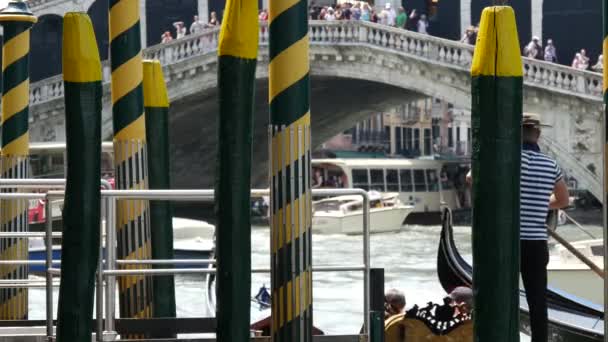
576, 253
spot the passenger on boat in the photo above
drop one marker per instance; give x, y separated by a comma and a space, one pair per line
542, 187
394, 303
462, 299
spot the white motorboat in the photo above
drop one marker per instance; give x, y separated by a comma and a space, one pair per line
192, 238
568, 273
344, 214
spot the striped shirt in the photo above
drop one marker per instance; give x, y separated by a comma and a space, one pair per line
539, 174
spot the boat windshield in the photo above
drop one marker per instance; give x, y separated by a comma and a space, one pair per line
327, 206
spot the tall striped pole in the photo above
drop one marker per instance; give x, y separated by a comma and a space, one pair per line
237, 59
289, 96
605, 54
496, 112
16, 20
130, 155
81, 212
156, 104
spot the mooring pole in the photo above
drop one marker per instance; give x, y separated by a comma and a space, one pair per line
156, 104
82, 205
290, 195
605, 69
130, 154
496, 120
237, 58
16, 20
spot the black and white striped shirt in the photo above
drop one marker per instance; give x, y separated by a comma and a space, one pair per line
539, 174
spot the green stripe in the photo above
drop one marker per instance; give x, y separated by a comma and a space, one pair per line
128, 109
13, 29
16, 73
291, 104
15, 126
125, 46
296, 19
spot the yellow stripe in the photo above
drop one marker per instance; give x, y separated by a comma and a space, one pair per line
280, 228
15, 100
290, 301
288, 225
16, 48
497, 50
127, 77
80, 55
14, 308
279, 6
297, 285
134, 131
123, 16
17, 251
605, 48
239, 33
17, 147
155, 90
288, 67
18, 17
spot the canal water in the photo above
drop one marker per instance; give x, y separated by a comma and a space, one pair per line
408, 257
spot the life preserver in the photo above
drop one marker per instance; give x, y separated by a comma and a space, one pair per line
400, 328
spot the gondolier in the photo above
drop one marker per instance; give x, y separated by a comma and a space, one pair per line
542, 188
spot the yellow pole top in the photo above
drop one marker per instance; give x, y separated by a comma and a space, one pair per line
155, 90
497, 52
240, 30
81, 61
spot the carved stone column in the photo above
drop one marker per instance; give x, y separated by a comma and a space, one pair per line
203, 10
143, 24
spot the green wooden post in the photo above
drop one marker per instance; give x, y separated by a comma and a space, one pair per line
81, 212
496, 120
237, 58
156, 104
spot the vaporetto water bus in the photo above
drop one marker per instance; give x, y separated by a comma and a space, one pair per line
424, 184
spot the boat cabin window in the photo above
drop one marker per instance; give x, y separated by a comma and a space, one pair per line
419, 182
406, 180
392, 181
377, 177
360, 179
327, 206
597, 250
433, 181
48, 165
328, 176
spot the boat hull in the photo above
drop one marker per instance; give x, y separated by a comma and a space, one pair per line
570, 281
382, 220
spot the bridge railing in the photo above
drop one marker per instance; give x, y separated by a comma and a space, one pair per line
454, 54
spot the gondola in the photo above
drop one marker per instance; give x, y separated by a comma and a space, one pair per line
570, 319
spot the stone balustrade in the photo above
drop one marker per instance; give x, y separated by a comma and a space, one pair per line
553, 77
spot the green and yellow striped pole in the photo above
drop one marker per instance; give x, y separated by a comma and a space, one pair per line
605, 54
237, 59
130, 154
81, 212
156, 104
289, 96
16, 20
496, 120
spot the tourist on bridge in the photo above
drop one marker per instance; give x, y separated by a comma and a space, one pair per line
550, 52
581, 61
166, 37
213, 22
401, 18
412, 23
423, 24
542, 187
470, 36
366, 13
388, 15
180, 29
534, 49
197, 25
356, 11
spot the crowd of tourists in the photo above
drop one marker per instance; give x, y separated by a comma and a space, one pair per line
359, 10
197, 26
581, 61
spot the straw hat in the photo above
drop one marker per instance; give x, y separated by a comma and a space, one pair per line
532, 119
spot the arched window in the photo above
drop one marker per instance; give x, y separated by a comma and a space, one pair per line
45, 54
99, 16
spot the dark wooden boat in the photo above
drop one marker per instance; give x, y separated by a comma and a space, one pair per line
570, 319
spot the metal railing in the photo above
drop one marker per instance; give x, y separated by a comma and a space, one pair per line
108, 269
